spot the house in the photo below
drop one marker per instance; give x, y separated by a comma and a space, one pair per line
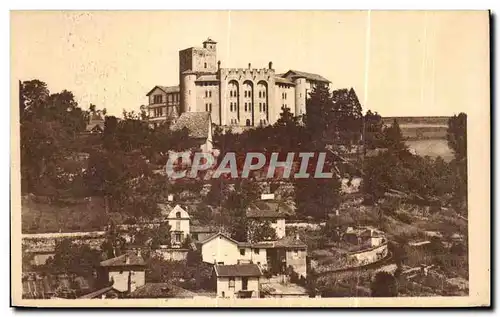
125, 272
199, 127
221, 249
95, 125
238, 281
200, 233
288, 252
269, 210
161, 290
179, 221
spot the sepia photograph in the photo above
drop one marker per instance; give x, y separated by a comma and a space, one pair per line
250, 158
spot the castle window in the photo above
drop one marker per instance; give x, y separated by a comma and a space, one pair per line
264, 94
264, 107
206, 107
210, 104
260, 94
205, 65
230, 93
246, 106
248, 122
157, 99
260, 106
206, 93
210, 93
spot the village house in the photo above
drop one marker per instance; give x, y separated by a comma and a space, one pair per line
238, 281
272, 211
179, 221
199, 128
125, 272
223, 250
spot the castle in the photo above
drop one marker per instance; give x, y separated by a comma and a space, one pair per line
237, 97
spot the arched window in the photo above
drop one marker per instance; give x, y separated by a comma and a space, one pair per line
264, 107
205, 65
178, 214
246, 106
248, 122
260, 106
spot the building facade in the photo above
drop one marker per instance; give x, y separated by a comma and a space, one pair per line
238, 97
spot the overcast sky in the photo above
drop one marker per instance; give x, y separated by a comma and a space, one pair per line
400, 63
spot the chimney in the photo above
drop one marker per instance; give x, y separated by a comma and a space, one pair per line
170, 197
297, 237
127, 259
270, 65
249, 65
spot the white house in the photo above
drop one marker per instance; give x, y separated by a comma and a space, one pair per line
221, 249
179, 221
238, 281
126, 272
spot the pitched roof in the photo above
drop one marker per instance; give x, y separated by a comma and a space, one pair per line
165, 89
289, 242
237, 270
282, 80
218, 234
133, 260
197, 123
310, 76
207, 78
97, 293
202, 229
268, 209
161, 290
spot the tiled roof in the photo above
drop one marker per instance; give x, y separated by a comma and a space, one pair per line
161, 290
207, 78
97, 293
310, 76
165, 89
202, 229
268, 209
221, 234
133, 260
281, 80
289, 242
197, 124
237, 270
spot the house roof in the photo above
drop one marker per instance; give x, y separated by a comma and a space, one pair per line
202, 229
161, 290
237, 270
289, 242
296, 74
218, 234
282, 80
268, 209
207, 78
97, 293
197, 123
165, 89
133, 260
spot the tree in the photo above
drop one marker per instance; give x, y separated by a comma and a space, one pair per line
74, 258
457, 135
384, 285
260, 231
320, 119
373, 130
393, 138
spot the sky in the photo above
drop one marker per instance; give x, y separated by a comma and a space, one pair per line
400, 63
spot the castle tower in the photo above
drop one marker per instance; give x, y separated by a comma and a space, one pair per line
194, 61
300, 96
